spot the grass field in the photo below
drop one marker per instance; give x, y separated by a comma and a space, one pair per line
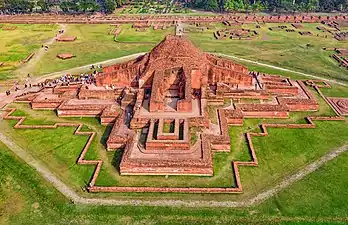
93, 45
319, 198
27, 199
16, 45
130, 35
279, 48
280, 154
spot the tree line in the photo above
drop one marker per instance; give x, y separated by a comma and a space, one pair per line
108, 6
67, 6
271, 5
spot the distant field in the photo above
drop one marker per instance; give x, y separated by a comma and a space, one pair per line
17, 44
94, 44
280, 48
129, 34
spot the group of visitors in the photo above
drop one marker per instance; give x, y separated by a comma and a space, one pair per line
88, 78
67, 79
96, 67
64, 80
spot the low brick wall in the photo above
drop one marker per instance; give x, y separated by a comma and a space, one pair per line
262, 114
167, 145
107, 120
45, 105
207, 140
78, 113
28, 58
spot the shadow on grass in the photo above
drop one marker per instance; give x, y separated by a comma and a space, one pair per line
106, 134
116, 160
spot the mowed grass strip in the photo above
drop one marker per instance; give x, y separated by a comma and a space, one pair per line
320, 194
280, 48
27, 199
58, 148
17, 44
281, 153
129, 34
94, 44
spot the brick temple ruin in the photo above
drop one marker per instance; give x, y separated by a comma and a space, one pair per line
155, 100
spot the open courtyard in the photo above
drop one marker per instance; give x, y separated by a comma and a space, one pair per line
246, 116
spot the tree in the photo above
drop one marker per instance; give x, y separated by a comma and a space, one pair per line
19, 5
68, 5
82, 5
273, 5
257, 6
212, 5
234, 5
107, 6
312, 5
44, 5
119, 3
2, 4
327, 5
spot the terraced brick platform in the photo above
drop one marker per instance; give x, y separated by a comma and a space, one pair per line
153, 101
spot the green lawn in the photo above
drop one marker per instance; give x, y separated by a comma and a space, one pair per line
94, 44
169, 127
279, 48
129, 34
281, 153
16, 45
25, 198
321, 194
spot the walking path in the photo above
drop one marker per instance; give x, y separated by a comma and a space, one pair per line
117, 60
28, 67
80, 69
280, 68
73, 196
179, 29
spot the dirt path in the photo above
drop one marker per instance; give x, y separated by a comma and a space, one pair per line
113, 61
280, 68
28, 67
73, 196
81, 69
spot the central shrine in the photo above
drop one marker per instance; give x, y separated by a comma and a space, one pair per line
174, 69
170, 109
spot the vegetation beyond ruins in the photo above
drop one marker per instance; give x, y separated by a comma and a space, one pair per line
173, 119
175, 6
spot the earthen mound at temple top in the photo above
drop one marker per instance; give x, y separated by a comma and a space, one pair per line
176, 47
